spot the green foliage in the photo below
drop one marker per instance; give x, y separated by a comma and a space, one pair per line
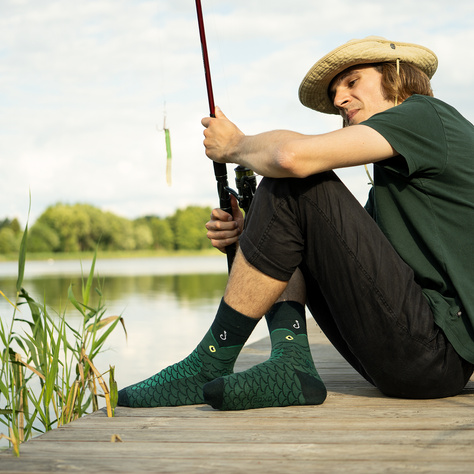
9, 242
10, 236
47, 375
143, 237
43, 238
188, 225
72, 224
161, 232
78, 227
14, 225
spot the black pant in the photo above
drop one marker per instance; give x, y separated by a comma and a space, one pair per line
360, 292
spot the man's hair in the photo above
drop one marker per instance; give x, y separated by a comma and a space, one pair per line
405, 82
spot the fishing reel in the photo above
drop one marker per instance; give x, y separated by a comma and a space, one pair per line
246, 183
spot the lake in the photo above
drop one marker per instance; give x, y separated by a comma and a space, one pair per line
168, 303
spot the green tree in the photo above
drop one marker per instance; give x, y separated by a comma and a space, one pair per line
72, 225
80, 227
10, 236
162, 234
41, 238
189, 228
15, 226
99, 228
122, 233
9, 242
143, 237
12, 224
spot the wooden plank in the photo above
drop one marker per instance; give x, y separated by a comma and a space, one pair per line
357, 428
389, 425
184, 433
217, 464
293, 415
253, 451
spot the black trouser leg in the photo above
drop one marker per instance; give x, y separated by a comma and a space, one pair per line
362, 294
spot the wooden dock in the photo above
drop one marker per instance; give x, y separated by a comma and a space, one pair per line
356, 430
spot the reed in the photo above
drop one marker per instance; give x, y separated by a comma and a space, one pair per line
48, 377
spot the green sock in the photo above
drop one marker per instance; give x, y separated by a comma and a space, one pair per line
181, 383
288, 377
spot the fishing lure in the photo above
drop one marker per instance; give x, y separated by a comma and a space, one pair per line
168, 152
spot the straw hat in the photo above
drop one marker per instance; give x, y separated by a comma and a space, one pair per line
313, 91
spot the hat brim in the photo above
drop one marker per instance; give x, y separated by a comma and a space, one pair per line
313, 91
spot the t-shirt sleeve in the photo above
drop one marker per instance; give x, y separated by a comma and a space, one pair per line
416, 132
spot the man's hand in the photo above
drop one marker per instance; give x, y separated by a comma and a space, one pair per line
224, 229
222, 138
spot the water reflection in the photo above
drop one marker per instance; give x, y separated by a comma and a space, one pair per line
184, 288
166, 315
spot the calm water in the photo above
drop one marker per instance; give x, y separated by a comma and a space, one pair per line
167, 304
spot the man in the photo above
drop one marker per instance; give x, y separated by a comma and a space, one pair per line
390, 285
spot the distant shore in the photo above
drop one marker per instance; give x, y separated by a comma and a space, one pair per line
102, 255
118, 264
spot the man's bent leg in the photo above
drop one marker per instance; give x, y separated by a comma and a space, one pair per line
289, 376
376, 306
250, 291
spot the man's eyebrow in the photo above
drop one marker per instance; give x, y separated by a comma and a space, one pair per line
341, 77
338, 79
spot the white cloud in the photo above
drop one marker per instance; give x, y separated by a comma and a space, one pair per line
83, 87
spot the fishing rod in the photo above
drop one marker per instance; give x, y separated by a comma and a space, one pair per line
245, 179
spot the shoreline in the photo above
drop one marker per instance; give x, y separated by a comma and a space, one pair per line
131, 265
109, 255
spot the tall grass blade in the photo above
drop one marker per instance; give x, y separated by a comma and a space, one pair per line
102, 383
73, 300
22, 260
13, 304
3, 335
86, 292
113, 390
45, 372
102, 323
15, 440
97, 344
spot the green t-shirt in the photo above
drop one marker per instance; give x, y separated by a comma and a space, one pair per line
423, 201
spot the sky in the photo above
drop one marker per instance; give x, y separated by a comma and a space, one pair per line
85, 88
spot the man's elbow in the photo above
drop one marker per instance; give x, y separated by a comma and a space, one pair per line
289, 162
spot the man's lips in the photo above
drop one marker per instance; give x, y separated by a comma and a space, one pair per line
350, 114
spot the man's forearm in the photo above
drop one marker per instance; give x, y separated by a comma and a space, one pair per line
268, 154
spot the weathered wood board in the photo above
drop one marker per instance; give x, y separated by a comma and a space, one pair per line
357, 429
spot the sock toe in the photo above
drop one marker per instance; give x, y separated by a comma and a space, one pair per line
214, 393
313, 389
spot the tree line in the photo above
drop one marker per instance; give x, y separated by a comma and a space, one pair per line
80, 227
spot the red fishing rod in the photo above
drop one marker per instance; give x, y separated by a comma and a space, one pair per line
220, 169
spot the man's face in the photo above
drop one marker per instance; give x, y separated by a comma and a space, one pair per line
357, 94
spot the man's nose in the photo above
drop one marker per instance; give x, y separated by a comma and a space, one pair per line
341, 98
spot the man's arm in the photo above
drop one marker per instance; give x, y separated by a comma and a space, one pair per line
282, 153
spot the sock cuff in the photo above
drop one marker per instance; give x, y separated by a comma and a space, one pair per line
287, 315
230, 327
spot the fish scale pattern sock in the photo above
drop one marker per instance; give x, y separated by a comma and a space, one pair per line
181, 383
288, 377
